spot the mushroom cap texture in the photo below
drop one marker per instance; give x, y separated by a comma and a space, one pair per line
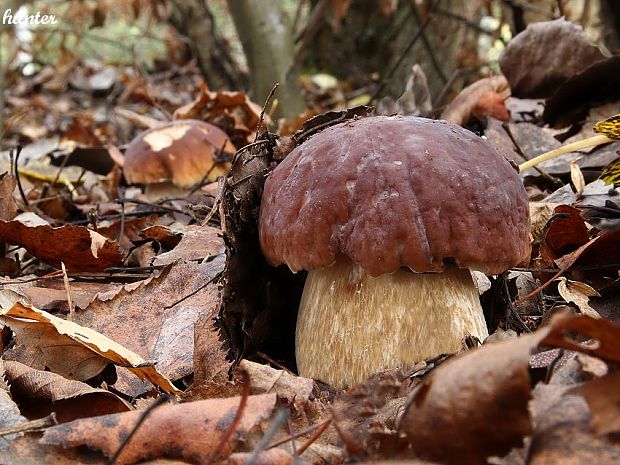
393, 192
181, 151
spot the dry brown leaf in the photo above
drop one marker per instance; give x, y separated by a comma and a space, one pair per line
562, 434
141, 121
8, 209
197, 243
156, 319
80, 248
58, 340
191, 431
462, 107
288, 386
603, 397
546, 54
225, 108
579, 294
475, 405
42, 392
491, 104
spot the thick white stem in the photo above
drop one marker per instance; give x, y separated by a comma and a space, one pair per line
581, 144
351, 325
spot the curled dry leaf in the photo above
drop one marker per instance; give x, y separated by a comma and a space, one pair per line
546, 54
579, 294
563, 234
468, 100
475, 405
191, 431
80, 248
55, 338
288, 386
43, 392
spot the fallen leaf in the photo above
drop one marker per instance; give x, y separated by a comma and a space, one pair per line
273, 456
490, 104
563, 234
53, 337
42, 392
579, 294
475, 405
576, 177
603, 397
291, 388
539, 59
191, 431
8, 209
197, 243
156, 319
462, 107
80, 248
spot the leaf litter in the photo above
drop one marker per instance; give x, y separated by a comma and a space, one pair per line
177, 292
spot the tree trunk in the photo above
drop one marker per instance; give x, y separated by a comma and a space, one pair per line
267, 40
194, 20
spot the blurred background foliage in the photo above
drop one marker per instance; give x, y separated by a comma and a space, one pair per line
324, 53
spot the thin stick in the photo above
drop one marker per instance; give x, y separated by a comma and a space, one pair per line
402, 56
68, 289
320, 430
17, 177
278, 421
262, 113
33, 425
321, 426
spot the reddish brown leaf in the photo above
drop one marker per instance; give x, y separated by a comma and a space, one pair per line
468, 101
80, 248
192, 431
563, 234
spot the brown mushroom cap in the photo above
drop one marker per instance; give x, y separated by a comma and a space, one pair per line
393, 192
181, 151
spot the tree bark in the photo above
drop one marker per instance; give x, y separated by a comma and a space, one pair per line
194, 20
266, 36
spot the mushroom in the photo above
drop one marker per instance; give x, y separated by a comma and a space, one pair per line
172, 158
389, 215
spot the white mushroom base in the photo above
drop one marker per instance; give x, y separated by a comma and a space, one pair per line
351, 325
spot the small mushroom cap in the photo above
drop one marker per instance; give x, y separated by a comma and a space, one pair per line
181, 151
393, 192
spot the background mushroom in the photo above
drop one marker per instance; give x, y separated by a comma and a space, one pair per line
388, 214
173, 158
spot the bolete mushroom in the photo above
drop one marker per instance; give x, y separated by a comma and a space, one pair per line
172, 158
389, 215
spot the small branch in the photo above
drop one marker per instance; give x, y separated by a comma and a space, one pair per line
33, 425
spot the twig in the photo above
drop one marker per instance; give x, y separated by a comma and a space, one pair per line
427, 44
262, 113
15, 157
161, 400
511, 307
245, 394
552, 365
404, 53
65, 278
520, 151
54, 275
278, 421
320, 429
33, 425
352, 447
